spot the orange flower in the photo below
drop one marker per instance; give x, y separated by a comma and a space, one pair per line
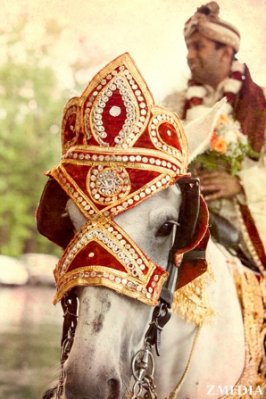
220, 145
223, 119
213, 139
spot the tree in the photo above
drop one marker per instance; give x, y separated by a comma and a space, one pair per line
31, 105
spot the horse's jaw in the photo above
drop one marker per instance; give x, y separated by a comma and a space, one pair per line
106, 320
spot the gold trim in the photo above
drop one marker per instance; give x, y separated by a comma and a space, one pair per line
127, 165
54, 173
135, 151
102, 281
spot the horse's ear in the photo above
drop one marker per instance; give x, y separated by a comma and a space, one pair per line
199, 131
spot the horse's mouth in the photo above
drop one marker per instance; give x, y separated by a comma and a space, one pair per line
114, 392
114, 389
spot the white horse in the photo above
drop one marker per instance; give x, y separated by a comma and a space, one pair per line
111, 326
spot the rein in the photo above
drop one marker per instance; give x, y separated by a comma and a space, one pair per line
143, 362
70, 309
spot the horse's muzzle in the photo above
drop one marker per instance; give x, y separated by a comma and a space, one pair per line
101, 389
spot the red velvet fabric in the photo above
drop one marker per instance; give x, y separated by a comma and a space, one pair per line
114, 125
168, 135
253, 233
189, 270
201, 228
250, 111
101, 257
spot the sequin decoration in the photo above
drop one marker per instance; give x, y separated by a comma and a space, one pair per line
164, 131
106, 185
117, 112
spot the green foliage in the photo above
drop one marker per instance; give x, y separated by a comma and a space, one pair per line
30, 116
212, 160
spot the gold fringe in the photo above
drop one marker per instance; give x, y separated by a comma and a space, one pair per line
192, 303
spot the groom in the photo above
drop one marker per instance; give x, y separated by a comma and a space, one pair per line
212, 44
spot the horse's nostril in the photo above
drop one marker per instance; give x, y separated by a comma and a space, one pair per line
113, 388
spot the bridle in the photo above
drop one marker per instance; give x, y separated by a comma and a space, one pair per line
143, 363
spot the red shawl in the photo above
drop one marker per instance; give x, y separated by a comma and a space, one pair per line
250, 111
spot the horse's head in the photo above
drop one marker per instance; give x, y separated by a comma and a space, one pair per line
123, 164
111, 326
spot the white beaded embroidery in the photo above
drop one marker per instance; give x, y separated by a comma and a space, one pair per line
132, 100
127, 255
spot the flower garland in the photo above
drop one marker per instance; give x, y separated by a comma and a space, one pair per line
228, 146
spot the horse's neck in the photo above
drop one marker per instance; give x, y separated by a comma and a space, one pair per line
218, 357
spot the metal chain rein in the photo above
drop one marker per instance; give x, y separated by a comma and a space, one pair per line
143, 363
70, 305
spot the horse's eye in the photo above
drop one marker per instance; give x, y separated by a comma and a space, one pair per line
165, 229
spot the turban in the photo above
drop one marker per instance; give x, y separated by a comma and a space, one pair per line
207, 22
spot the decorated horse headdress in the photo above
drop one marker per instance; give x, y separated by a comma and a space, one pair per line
119, 149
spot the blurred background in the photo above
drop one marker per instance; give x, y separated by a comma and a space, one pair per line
49, 50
